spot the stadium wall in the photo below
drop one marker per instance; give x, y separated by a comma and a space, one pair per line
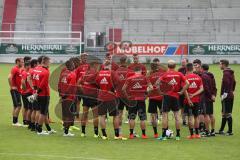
209, 59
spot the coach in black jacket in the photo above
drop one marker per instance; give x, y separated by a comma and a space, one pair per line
227, 96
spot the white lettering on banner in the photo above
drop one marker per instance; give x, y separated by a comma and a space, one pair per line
41, 47
224, 48
143, 49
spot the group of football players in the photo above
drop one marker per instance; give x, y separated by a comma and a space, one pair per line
109, 87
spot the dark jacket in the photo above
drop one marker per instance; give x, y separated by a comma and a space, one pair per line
228, 83
209, 85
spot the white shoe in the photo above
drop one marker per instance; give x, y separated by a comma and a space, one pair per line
52, 131
17, 124
68, 135
43, 133
126, 122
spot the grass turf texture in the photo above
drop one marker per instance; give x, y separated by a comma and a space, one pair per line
18, 143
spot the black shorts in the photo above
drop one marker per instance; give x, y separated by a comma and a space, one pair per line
170, 104
138, 109
68, 110
154, 105
227, 106
181, 101
110, 107
43, 102
35, 105
208, 108
192, 110
89, 102
16, 98
26, 103
122, 103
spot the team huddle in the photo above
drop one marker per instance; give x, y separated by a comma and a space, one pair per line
110, 87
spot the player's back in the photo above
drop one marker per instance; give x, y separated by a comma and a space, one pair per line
153, 78
88, 82
195, 83
176, 80
137, 87
119, 79
105, 84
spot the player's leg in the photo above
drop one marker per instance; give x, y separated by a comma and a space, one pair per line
152, 109
207, 118
174, 104
212, 120
196, 119
67, 117
165, 111
95, 120
120, 114
102, 111
16, 99
141, 106
84, 117
132, 111
229, 108
42, 115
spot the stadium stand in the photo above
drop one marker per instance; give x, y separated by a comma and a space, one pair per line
166, 20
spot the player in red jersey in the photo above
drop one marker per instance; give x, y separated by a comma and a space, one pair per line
33, 63
108, 101
119, 79
171, 99
192, 100
26, 92
80, 71
109, 59
68, 89
89, 90
135, 64
155, 100
197, 65
41, 77
135, 89
14, 80
183, 70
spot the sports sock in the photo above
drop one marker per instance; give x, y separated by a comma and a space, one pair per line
39, 129
224, 120
96, 130
230, 124
197, 130
143, 132
116, 132
155, 130
15, 120
24, 122
104, 132
131, 131
48, 127
213, 130
178, 133
36, 126
191, 131
66, 129
83, 129
164, 132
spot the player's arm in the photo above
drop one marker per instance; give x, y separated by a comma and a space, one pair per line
10, 79
23, 82
158, 83
124, 88
198, 92
186, 85
43, 82
188, 98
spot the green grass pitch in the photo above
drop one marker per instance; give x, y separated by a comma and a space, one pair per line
20, 144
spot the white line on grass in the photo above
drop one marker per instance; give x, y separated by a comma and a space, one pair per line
49, 156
